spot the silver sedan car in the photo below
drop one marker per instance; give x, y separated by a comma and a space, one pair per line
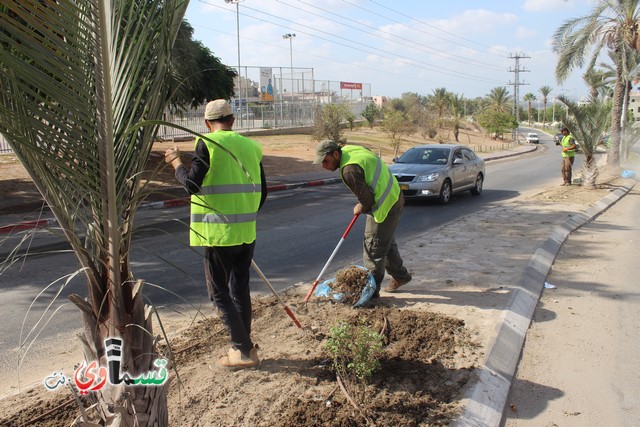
438, 170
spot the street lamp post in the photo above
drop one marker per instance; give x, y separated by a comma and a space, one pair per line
239, 97
290, 37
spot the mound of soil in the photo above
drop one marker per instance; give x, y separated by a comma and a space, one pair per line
428, 358
350, 282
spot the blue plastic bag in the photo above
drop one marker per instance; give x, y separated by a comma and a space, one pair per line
324, 290
628, 174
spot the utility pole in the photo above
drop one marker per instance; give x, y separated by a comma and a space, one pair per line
516, 88
239, 110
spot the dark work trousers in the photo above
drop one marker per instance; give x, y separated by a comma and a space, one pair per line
226, 269
567, 166
380, 249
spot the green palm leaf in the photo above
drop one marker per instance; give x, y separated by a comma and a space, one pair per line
76, 75
77, 78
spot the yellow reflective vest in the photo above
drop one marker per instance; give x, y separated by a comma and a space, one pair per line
224, 211
567, 142
382, 183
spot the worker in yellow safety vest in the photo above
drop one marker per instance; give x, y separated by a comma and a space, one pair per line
380, 198
226, 194
568, 145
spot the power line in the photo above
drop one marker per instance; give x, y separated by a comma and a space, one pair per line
375, 51
501, 54
417, 46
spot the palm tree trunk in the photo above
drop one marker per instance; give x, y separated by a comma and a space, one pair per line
613, 156
624, 143
589, 172
125, 405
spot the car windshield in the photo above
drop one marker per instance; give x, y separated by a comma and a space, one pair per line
425, 156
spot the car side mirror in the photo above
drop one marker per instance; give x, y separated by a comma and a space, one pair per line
395, 159
458, 161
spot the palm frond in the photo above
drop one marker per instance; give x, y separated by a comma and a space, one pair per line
76, 76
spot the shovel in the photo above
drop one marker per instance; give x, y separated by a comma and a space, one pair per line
284, 305
333, 254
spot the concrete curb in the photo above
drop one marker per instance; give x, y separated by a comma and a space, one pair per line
488, 397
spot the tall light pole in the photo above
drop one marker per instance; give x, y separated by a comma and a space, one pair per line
290, 36
237, 3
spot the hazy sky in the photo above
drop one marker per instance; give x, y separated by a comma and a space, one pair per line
397, 46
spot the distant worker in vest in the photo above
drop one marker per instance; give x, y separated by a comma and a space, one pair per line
224, 205
380, 198
568, 146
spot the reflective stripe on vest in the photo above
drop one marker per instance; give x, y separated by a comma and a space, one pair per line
214, 218
381, 182
224, 211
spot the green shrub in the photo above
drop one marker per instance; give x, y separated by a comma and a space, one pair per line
356, 350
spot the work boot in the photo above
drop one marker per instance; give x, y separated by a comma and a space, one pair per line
236, 360
396, 283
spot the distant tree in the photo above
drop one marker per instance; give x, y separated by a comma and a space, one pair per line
412, 101
198, 76
499, 99
427, 124
350, 118
595, 79
456, 107
396, 104
545, 91
328, 122
439, 101
372, 113
529, 97
395, 125
496, 122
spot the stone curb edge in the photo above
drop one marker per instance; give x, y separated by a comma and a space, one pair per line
488, 397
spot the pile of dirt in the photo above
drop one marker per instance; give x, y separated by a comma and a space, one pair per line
427, 360
349, 283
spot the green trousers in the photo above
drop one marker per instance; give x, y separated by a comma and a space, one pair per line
380, 248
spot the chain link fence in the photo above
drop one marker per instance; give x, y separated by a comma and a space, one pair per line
4, 145
269, 98
275, 98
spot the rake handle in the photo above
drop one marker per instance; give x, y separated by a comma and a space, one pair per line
333, 254
284, 305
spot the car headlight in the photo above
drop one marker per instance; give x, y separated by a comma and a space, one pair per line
431, 177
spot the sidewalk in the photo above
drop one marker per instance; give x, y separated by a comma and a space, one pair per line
579, 364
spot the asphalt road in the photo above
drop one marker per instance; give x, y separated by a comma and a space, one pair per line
297, 231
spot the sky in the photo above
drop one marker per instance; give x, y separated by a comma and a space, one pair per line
465, 46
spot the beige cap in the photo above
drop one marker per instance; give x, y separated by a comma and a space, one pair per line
217, 109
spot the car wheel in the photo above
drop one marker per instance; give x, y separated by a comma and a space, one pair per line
445, 192
477, 188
